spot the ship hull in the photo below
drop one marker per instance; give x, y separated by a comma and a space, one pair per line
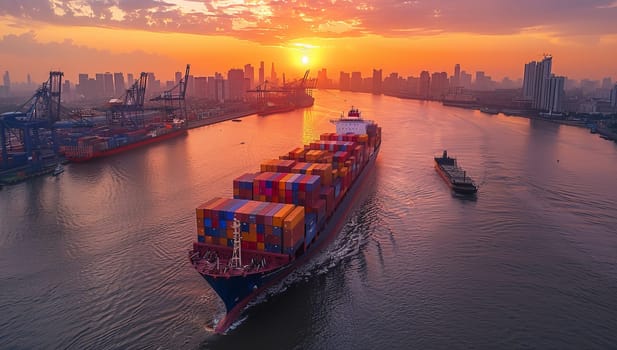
237, 291
467, 189
129, 146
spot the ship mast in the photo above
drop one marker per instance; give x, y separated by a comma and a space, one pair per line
236, 261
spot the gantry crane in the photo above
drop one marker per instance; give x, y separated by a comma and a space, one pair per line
174, 99
28, 135
129, 109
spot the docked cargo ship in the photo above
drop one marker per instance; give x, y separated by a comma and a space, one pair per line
109, 142
281, 216
454, 176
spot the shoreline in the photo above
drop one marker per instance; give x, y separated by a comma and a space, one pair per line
192, 124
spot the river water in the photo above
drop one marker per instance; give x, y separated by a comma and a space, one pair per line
97, 257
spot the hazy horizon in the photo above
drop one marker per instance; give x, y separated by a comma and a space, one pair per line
404, 37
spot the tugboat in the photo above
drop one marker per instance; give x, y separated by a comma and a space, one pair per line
454, 176
59, 169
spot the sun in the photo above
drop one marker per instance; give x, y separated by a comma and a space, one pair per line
305, 60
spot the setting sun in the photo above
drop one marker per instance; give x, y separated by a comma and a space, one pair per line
305, 60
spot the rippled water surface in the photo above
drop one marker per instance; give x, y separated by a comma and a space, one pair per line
96, 258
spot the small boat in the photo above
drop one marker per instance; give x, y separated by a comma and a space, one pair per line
59, 169
454, 176
236, 120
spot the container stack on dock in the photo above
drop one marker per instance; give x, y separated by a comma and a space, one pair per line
282, 208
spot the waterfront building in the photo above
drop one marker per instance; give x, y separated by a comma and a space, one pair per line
425, 85
235, 78
439, 85
249, 73
555, 95
355, 83
465, 80
344, 82
261, 73
377, 79
119, 84
456, 78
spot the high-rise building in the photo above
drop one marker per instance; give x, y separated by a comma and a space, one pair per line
528, 80
344, 82
377, 80
249, 73
190, 85
555, 94
439, 85
465, 80
177, 77
262, 77
424, 89
201, 87
355, 82
541, 87
119, 84
235, 78
6, 80
614, 97
273, 77
130, 79
456, 79
607, 83
67, 92
322, 79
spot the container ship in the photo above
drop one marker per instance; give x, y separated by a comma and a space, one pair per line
454, 176
281, 216
106, 142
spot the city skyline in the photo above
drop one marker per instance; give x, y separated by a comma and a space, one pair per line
405, 37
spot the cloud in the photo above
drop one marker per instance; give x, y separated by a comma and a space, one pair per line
24, 52
278, 21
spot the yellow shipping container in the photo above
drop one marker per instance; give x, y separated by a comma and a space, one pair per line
222, 241
253, 228
294, 218
252, 237
209, 239
283, 181
200, 222
277, 219
260, 246
201, 231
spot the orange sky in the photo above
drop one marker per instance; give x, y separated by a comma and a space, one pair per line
498, 37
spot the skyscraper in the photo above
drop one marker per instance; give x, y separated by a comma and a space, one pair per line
261, 73
344, 81
425, 84
273, 78
108, 88
528, 80
249, 73
178, 77
355, 83
130, 79
6, 79
456, 79
545, 90
377, 80
235, 78
614, 97
439, 85
119, 84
